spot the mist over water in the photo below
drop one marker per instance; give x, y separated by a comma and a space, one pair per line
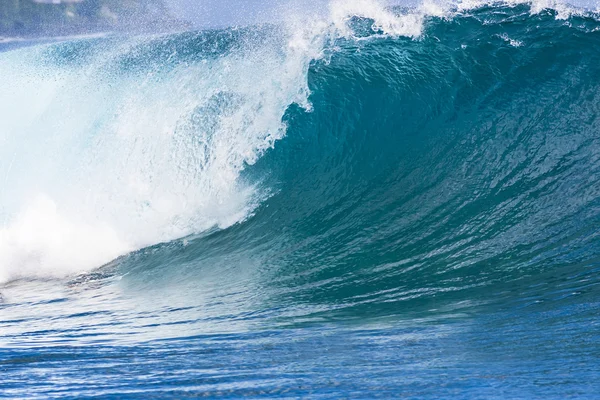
210, 13
139, 157
342, 200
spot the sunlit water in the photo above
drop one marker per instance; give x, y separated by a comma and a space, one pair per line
380, 203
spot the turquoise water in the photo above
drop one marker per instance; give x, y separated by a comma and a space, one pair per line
382, 204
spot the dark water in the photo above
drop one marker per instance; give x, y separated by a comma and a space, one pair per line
367, 214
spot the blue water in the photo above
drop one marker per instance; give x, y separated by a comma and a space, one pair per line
383, 203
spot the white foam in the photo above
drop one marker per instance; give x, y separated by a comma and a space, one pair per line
563, 9
384, 19
103, 161
41, 242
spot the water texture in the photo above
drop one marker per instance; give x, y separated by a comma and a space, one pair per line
376, 203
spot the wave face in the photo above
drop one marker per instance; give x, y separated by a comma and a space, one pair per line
385, 202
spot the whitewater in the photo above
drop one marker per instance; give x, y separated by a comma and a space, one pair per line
357, 202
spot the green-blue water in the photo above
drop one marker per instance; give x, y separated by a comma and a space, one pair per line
326, 212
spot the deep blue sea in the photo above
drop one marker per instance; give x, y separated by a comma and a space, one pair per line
379, 203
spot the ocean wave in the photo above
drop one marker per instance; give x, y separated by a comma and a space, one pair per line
370, 163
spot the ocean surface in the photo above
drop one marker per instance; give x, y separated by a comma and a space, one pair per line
374, 203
